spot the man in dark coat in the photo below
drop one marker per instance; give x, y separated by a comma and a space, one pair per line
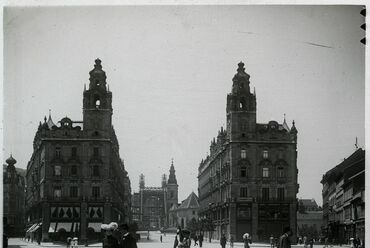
127, 241
285, 238
223, 241
200, 240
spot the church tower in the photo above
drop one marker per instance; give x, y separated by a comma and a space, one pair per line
97, 104
172, 188
241, 107
142, 181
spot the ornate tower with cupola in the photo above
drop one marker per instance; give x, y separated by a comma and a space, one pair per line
249, 179
241, 107
57, 200
97, 104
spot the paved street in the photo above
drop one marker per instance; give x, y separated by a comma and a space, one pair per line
152, 243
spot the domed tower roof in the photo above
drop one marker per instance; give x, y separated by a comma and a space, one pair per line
241, 74
241, 81
97, 76
11, 161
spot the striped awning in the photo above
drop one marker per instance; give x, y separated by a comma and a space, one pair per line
64, 225
36, 227
96, 226
52, 227
30, 229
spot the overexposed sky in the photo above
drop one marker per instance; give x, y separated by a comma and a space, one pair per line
170, 68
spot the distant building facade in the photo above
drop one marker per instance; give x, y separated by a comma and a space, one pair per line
309, 219
179, 216
305, 205
151, 204
13, 200
76, 179
344, 199
248, 183
135, 208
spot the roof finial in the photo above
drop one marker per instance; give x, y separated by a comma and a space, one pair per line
356, 144
241, 67
49, 113
45, 118
284, 117
172, 161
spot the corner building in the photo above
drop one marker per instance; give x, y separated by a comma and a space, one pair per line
13, 199
76, 179
248, 183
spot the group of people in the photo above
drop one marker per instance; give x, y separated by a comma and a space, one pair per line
117, 236
72, 242
357, 243
306, 241
247, 240
283, 242
183, 239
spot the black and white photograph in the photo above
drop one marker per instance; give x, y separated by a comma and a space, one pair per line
183, 125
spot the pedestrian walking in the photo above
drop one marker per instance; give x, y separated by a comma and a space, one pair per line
305, 241
272, 241
178, 238
195, 240
69, 240
109, 240
231, 241
201, 240
39, 239
223, 241
127, 241
160, 238
246, 240
5, 240
311, 243
74, 243
284, 241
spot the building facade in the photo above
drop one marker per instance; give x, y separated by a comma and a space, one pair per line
76, 179
13, 200
309, 219
248, 183
344, 199
151, 204
179, 216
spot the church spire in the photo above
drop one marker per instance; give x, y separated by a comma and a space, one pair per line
142, 181
50, 121
172, 177
285, 125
